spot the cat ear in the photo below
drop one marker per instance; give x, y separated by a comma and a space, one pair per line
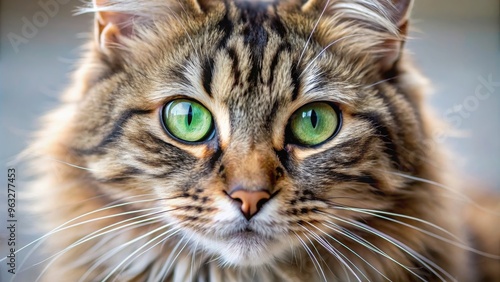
379, 27
119, 20
110, 26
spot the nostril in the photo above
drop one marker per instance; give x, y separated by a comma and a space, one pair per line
250, 202
261, 203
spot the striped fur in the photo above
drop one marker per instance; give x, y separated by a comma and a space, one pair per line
352, 208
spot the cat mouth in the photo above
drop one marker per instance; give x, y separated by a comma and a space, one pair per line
246, 233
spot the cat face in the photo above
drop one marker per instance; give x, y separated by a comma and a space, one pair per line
250, 127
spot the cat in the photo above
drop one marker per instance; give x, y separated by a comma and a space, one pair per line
221, 140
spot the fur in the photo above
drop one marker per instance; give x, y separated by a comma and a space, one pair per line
133, 204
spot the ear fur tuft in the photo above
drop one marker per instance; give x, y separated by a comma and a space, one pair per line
379, 26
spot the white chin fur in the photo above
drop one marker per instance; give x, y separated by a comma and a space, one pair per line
245, 250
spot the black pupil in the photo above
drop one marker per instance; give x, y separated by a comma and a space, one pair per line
314, 118
190, 115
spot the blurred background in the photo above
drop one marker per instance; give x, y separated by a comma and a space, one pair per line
455, 42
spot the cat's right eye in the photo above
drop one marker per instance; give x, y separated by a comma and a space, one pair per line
187, 121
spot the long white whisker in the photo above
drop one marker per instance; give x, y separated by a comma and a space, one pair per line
352, 251
138, 249
143, 252
96, 234
53, 260
325, 244
420, 258
58, 228
102, 258
323, 51
459, 245
40, 240
71, 165
461, 195
164, 271
312, 32
315, 261
407, 217
371, 246
379, 82
193, 261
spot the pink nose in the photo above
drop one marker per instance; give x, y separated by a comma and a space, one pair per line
251, 201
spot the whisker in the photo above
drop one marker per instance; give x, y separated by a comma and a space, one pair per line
370, 246
367, 245
143, 252
380, 81
459, 245
461, 195
312, 32
323, 51
138, 249
60, 227
93, 235
325, 244
41, 239
420, 258
316, 263
193, 261
53, 260
102, 258
71, 165
343, 207
407, 217
169, 261
352, 251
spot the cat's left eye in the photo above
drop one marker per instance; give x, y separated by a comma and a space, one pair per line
314, 124
187, 120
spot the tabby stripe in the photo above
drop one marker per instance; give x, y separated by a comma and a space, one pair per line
226, 26
364, 178
253, 15
127, 174
115, 133
179, 74
409, 102
236, 70
276, 24
208, 69
352, 145
173, 150
295, 75
216, 158
396, 113
382, 132
392, 77
283, 47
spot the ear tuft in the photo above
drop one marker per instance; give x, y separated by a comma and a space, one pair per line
379, 26
119, 20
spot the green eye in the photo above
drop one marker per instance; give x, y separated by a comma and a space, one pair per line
314, 123
187, 120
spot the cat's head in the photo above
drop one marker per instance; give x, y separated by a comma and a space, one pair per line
247, 125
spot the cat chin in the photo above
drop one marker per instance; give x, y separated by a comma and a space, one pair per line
245, 249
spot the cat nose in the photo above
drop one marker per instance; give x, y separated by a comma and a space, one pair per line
251, 201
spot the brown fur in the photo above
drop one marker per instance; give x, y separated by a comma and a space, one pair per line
106, 146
